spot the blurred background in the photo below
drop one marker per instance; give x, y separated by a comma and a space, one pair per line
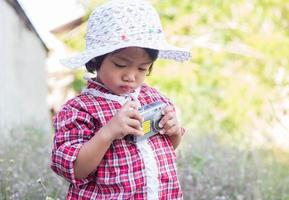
232, 96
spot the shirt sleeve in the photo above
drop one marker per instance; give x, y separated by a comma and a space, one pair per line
72, 129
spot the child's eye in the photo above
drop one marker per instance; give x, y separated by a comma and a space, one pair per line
119, 65
142, 69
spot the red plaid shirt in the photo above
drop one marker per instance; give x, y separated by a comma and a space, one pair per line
121, 173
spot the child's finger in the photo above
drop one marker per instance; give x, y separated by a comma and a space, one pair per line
134, 114
173, 130
167, 109
169, 123
168, 116
130, 105
133, 131
134, 124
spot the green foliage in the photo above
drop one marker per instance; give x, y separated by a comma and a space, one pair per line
78, 83
75, 39
234, 67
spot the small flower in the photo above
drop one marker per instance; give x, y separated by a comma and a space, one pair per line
123, 37
39, 181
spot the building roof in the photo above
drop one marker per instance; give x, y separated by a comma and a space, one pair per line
21, 13
68, 26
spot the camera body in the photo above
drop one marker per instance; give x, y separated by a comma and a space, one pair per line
152, 114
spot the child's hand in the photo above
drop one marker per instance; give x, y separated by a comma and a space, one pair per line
127, 121
169, 122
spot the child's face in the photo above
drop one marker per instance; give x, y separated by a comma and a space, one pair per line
124, 71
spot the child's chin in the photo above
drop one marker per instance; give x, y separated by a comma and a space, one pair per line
120, 93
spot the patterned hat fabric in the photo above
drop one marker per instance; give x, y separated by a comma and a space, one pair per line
125, 23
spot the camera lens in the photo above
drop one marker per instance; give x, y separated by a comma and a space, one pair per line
156, 125
156, 122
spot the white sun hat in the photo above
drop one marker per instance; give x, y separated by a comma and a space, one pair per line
125, 23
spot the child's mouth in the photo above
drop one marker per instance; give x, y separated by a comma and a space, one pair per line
126, 89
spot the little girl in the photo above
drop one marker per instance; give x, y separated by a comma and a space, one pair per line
91, 148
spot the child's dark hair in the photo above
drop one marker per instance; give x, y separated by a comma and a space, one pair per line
94, 64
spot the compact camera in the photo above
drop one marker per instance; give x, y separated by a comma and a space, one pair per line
152, 114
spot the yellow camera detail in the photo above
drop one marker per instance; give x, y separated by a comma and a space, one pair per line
146, 125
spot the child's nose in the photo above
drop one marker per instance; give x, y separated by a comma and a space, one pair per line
129, 77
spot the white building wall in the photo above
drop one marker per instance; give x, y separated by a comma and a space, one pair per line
22, 75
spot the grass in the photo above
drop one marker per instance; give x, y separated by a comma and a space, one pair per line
24, 167
209, 169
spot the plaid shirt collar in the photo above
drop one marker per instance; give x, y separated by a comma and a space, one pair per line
97, 89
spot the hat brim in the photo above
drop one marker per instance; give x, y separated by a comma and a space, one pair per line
166, 51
